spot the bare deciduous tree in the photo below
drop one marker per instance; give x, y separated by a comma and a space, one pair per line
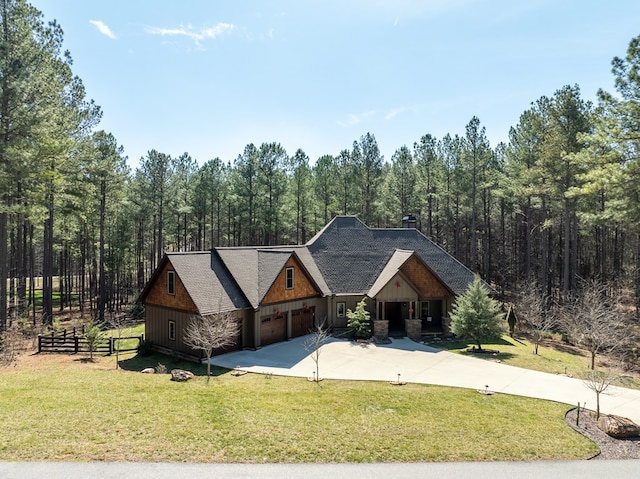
595, 320
313, 344
598, 382
534, 312
210, 332
117, 323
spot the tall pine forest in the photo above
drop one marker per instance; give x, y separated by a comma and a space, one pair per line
556, 205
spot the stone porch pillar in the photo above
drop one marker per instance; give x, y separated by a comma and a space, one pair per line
413, 328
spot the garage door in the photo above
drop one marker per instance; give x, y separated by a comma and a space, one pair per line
272, 329
301, 322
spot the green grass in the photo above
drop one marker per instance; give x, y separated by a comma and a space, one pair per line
68, 409
553, 357
130, 331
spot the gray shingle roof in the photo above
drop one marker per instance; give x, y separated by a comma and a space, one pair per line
351, 256
346, 257
254, 269
209, 284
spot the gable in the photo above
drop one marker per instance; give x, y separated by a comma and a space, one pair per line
303, 286
158, 295
427, 284
398, 288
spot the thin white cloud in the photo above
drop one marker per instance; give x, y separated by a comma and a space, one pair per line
197, 35
356, 118
103, 28
392, 113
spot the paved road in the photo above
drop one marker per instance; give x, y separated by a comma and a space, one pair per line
468, 470
417, 363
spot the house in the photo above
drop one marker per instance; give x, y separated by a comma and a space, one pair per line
278, 293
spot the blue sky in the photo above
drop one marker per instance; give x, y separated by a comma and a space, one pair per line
209, 77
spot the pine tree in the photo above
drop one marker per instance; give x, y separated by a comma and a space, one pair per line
476, 316
358, 321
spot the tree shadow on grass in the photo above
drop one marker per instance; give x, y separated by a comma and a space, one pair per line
565, 348
490, 354
140, 362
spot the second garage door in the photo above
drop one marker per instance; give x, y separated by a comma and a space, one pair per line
273, 329
301, 322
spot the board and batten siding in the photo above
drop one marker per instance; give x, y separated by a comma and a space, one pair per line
397, 289
157, 320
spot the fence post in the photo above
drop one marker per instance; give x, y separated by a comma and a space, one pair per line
75, 343
112, 344
39, 343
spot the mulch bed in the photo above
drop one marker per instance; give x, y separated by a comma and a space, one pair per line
610, 448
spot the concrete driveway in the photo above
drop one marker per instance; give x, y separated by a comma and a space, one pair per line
417, 363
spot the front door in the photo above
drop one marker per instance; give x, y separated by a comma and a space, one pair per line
393, 314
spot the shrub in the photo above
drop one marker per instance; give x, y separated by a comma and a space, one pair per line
359, 321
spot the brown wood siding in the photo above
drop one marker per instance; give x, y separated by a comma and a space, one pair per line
157, 321
157, 328
351, 302
427, 284
158, 295
302, 286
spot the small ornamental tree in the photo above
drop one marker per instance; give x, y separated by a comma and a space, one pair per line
596, 321
535, 314
598, 382
313, 344
94, 335
476, 315
213, 331
358, 322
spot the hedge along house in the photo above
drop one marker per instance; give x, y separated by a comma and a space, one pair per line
278, 293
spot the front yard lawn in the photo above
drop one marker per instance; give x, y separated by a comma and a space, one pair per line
553, 357
63, 408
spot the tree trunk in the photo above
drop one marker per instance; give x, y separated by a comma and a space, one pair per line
102, 289
3, 267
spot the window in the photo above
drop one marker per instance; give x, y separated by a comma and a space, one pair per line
424, 310
288, 281
171, 282
341, 310
172, 330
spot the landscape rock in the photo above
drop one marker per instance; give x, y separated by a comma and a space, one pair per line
618, 427
181, 375
148, 371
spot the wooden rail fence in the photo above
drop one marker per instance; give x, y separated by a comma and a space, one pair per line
72, 343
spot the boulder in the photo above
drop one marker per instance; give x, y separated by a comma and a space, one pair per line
148, 371
618, 427
181, 375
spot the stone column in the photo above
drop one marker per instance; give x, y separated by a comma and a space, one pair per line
413, 328
381, 329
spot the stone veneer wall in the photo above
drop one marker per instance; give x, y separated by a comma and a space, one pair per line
414, 328
381, 329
